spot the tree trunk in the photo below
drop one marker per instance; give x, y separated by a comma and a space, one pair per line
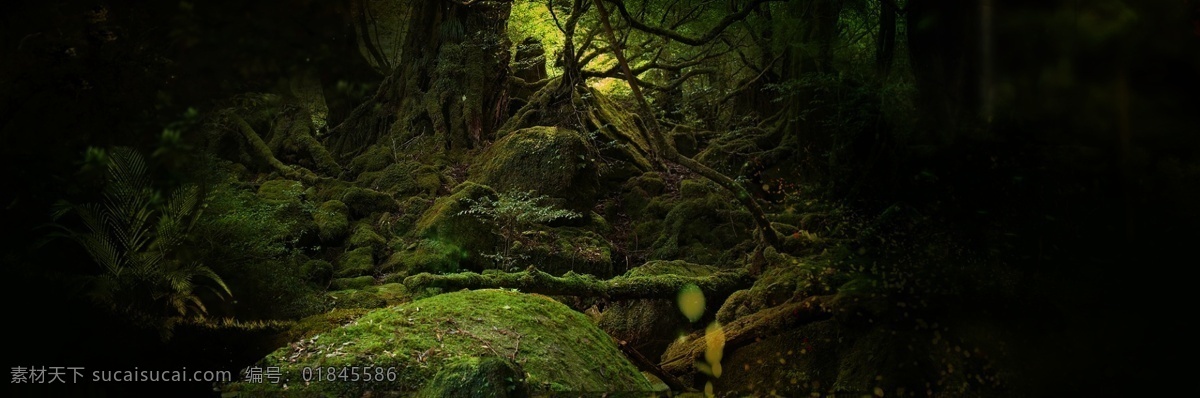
943, 47
447, 79
885, 41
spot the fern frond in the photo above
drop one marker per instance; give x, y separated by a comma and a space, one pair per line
206, 272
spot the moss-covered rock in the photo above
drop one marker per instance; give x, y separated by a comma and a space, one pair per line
297, 218
697, 189
357, 262
703, 230
559, 349
550, 161
410, 210
649, 182
353, 297
317, 271
391, 293
333, 222
363, 202
281, 191
426, 255
374, 158
557, 251
459, 233
429, 180
649, 326
365, 236
786, 278
357, 282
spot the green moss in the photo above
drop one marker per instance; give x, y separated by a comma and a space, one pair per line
425, 256
549, 161
317, 271
477, 377
650, 182
647, 232
634, 202
281, 191
297, 217
365, 236
332, 219
697, 189
411, 209
462, 233
356, 262
703, 230
358, 282
560, 250
597, 223
317, 324
352, 297
363, 202
428, 181
395, 179
374, 158
391, 293
558, 348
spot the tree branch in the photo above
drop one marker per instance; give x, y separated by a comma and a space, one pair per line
673, 35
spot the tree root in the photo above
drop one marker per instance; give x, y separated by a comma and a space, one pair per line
681, 358
262, 152
715, 287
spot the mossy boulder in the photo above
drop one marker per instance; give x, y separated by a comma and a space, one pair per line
281, 191
396, 178
410, 210
649, 326
703, 230
465, 235
333, 221
357, 262
391, 293
365, 236
786, 278
565, 249
426, 255
358, 282
374, 158
353, 297
557, 348
547, 160
364, 202
317, 271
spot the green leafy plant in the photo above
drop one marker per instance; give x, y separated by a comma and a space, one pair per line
137, 238
511, 214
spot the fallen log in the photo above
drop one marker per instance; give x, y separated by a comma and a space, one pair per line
715, 286
681, 358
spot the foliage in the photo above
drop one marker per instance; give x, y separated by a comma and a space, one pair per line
512, 213
258, 245
137, 237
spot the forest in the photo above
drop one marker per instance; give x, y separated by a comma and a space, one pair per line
618, 198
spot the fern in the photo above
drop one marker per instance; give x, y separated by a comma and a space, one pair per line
136, 244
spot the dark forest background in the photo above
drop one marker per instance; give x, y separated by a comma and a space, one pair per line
1048, 144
